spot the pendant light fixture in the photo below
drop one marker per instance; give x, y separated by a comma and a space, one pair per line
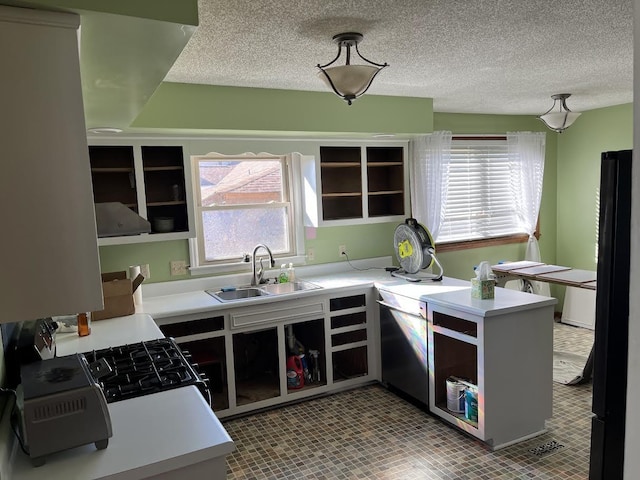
563, 118
349, 81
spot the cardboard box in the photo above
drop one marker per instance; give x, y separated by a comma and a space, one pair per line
117, 291
482, 289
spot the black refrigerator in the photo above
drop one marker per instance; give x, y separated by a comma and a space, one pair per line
612, 318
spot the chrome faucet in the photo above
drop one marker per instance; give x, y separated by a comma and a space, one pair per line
256, 277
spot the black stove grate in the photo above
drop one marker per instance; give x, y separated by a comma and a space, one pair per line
146, 367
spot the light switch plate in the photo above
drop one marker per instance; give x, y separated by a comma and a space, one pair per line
178, 267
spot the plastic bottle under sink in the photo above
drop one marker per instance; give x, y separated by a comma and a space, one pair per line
295, 372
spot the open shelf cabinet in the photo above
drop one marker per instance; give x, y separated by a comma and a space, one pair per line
113, 175
363, 182
151, 178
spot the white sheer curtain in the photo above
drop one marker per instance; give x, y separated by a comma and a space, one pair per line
526, 149
430, 173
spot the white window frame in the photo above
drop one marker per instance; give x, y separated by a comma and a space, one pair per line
293, 192
501, 150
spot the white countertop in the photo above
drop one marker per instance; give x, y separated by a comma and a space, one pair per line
505, 301
449, 291
152, 434
197, 300
109, 333
172, 299
419, 290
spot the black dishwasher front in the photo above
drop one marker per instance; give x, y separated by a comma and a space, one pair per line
403, 346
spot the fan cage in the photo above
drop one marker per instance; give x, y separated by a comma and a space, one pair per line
420, 241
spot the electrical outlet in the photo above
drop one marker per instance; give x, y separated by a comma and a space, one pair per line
311, 254
178, 267
342, 250
145, 271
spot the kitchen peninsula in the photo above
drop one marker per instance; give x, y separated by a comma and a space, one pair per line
497, 345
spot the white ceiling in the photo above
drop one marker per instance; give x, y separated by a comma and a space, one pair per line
470, 56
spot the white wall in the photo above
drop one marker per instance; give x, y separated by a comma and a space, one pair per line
632, 440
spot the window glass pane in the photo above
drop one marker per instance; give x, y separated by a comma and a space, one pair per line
240, 182
229, 233
480, 201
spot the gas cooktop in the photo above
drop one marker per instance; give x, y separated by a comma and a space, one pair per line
146, 367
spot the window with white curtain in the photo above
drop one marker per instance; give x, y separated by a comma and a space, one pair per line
479, 196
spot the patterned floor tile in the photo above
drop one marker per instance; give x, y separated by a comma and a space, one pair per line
370, 433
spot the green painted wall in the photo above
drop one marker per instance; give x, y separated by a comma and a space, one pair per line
567, 211
207, 107
362, 241
579, 149
157, 254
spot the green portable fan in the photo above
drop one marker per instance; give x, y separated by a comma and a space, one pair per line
415, 251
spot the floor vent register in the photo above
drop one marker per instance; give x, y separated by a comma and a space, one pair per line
546, 449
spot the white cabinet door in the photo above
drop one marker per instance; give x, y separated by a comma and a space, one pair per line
48, 242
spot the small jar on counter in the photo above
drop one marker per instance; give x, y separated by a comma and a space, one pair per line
84, 324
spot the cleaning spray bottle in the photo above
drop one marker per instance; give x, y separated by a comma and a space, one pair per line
295, 373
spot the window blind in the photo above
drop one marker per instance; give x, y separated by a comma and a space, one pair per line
479, 199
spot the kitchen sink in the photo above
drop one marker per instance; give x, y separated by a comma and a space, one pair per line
237, 294
246, 293
289, 287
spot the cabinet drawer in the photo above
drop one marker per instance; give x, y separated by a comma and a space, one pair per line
340, 321
267, 314
344, 303
455, 324
344, 338
193, 327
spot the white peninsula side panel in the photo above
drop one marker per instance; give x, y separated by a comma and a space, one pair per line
505, 347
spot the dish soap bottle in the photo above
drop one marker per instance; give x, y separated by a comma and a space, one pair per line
283, 277
291, 274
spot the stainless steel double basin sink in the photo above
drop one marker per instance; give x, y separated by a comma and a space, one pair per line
248, 292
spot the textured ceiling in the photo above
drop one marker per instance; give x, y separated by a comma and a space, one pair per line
470, 56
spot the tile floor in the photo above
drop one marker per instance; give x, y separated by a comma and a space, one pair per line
370, 433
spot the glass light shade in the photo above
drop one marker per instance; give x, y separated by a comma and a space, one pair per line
559, 121
349, 80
